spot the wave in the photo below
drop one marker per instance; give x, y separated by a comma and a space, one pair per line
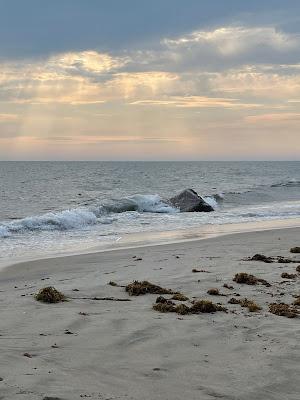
78, 218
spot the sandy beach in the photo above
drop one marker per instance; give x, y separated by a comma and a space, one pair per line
86, 348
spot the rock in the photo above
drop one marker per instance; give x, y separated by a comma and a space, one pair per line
295, 250
189, 201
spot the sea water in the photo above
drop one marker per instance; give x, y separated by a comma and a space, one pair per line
50, 208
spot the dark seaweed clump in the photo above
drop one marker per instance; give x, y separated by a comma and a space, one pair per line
250, 304
213, 292
201, 306
282, 309
286, 275
248, 279
180, 297
297, 301
233, 300
50, 295
205, 306
137, 288
261, 257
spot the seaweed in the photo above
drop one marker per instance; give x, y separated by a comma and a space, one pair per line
50, 295
214, 292
248, 279
282, 309
234, 301
180, 297
182, 309
137, 288
164, 307
298, 268
205, 306
250, 304
161, 299
261, 257
297, 301
286, 275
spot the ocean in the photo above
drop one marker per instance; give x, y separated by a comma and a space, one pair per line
49, 208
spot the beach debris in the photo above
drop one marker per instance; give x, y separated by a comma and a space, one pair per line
261, 257
68, 332
195, 270
283, 260
137, 288
214, 292
205, 306
111, 283
28, 355
297, 301
179, 297
83, 313
75, 290
248, 279
1, 379
250, 304
228, 286
286, 275
233, 300
99, 298
52, 398
283, 309
50, 295
182, 309
295, 249
161, 299
200, 306
164, 307
298, 268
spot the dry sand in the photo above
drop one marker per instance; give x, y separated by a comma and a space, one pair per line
126, 350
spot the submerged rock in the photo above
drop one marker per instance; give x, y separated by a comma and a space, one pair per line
189, 201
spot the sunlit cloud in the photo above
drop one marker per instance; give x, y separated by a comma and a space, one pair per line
197, 102
8, 117
230, 40
273, 118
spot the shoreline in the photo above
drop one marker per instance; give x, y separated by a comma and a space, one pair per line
161, 238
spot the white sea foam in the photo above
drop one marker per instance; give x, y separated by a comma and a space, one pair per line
151, 203
211, 200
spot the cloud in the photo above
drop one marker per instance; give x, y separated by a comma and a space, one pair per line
202, 69
273, 118
253, 81
8, 117
231, 40
196, 102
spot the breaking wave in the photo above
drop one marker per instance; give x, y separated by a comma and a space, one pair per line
78, 218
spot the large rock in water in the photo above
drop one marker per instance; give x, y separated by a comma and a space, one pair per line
189, 201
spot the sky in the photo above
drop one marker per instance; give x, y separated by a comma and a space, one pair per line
149, 80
